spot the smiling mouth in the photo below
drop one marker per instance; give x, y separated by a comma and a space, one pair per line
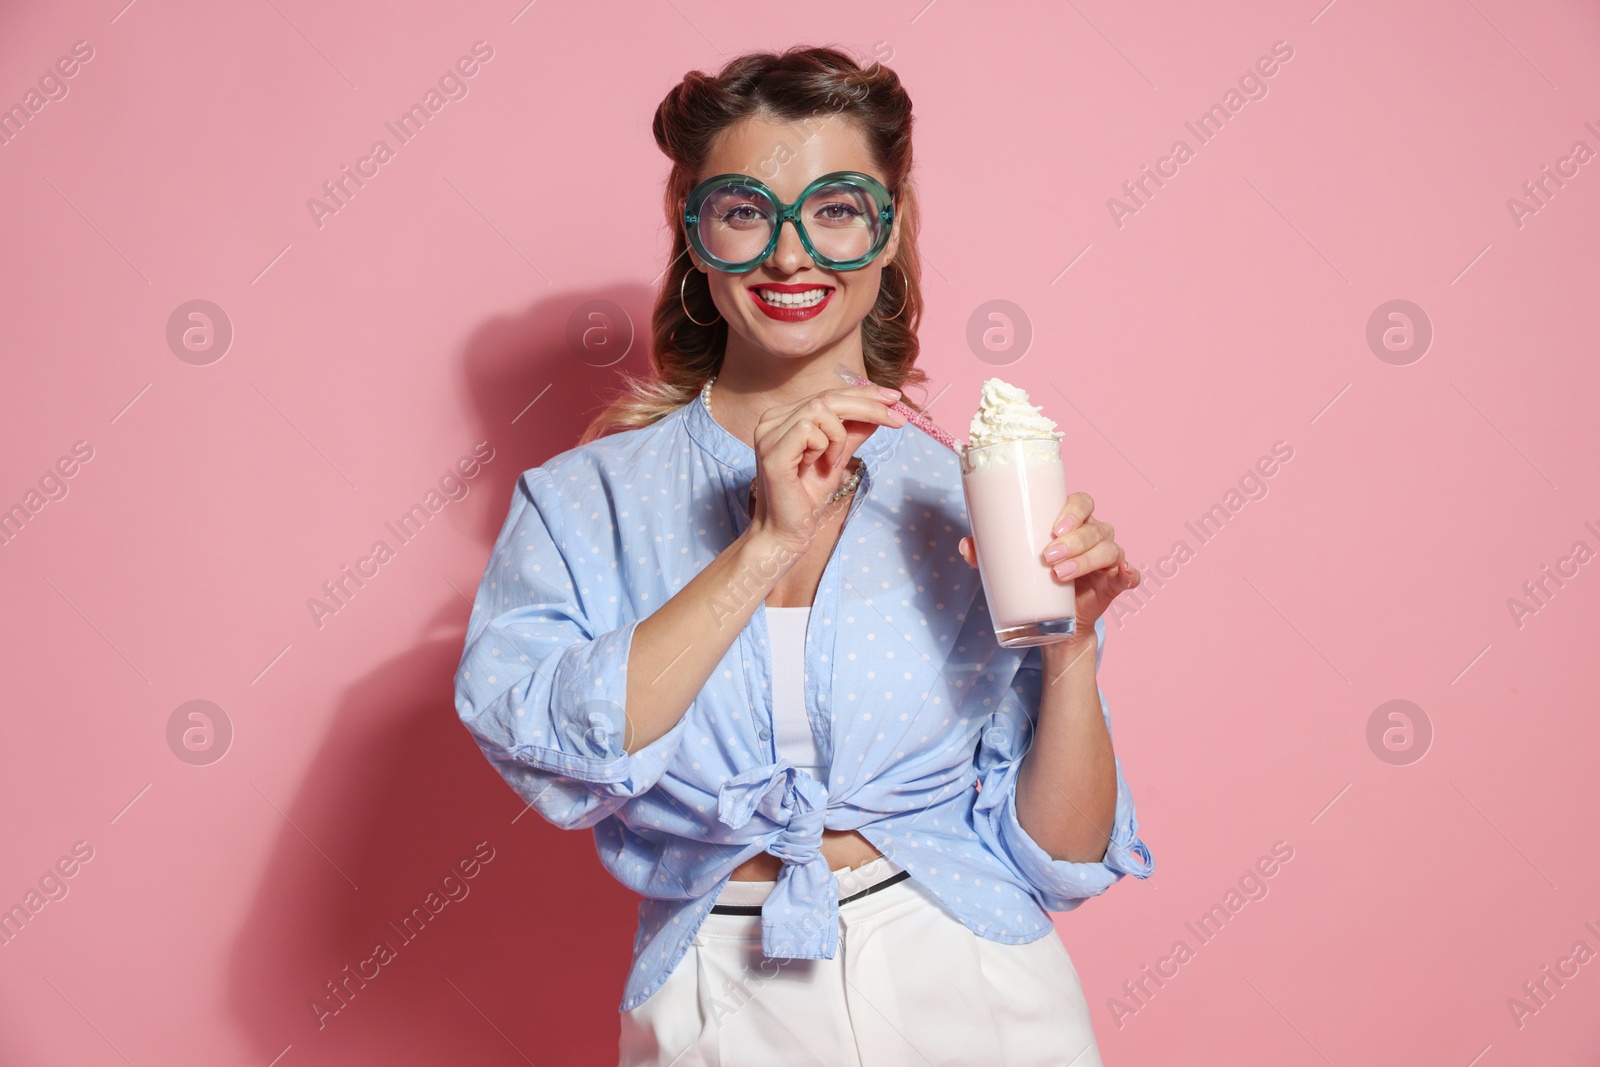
807, 298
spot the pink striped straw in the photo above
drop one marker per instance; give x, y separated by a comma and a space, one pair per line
916, 418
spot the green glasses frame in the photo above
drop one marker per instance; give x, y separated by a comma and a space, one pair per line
882, 201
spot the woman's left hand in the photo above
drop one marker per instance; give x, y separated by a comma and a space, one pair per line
1082, 550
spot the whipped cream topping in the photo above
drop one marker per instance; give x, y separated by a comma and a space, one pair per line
1004, 414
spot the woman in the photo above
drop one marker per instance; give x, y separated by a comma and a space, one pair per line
737, 637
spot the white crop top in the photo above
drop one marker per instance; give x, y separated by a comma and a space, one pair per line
791, 727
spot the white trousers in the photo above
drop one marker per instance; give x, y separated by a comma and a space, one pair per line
910, 986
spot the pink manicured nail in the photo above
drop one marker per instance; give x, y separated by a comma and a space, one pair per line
1055, 552
1064, 570
1062, 527
889, 394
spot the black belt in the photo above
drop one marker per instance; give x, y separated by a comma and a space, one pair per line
755, 909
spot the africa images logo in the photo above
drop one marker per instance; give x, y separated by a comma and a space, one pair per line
1252, 85
452, 85
453, 486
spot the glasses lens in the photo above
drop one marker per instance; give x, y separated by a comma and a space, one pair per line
736, 222
842, 221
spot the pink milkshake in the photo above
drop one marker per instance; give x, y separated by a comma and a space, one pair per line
1015, 487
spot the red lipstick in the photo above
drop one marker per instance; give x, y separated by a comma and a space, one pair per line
790, 314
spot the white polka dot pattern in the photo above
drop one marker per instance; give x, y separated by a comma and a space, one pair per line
922, 718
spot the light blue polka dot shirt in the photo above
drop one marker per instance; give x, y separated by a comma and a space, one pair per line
921, 717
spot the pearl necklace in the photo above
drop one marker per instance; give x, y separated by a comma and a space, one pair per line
850, 483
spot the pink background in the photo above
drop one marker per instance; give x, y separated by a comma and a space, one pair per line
1228, 313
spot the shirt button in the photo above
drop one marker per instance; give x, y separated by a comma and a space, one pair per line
763, 733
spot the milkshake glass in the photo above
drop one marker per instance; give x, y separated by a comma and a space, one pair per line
1015, 486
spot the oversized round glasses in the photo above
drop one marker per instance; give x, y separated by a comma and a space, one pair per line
843, 219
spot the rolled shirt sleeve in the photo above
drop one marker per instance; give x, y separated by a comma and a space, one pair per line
1060, 885
541, 687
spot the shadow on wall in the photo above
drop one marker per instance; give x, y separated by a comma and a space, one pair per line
524, 960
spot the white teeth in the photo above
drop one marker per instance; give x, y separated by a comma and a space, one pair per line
809, 298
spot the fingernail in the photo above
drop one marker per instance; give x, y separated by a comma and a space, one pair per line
1062, 527
1055, 552
1064, 570
889, 394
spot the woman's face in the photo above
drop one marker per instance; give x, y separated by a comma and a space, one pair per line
787, 156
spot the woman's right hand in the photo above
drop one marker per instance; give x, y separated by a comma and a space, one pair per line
802, 455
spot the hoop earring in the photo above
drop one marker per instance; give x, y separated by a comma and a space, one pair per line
685, 304
903, 300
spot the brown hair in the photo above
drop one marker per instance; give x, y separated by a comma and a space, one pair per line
801, 83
